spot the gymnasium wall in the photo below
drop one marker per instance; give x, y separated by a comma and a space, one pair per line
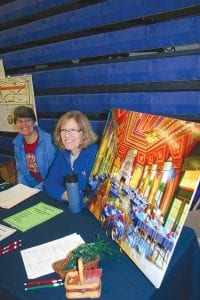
141, 55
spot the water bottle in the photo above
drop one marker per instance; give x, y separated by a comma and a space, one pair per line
73, 192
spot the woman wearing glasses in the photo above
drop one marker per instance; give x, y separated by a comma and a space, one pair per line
34, 149
77, 143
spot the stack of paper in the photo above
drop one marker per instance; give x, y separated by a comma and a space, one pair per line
15, 195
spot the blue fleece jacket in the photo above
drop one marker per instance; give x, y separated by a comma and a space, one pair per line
44, 153
54, 184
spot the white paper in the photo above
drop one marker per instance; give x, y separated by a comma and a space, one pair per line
5, 231
38, 260
16, 194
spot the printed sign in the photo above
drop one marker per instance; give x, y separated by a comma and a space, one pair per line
14, 91
143, 183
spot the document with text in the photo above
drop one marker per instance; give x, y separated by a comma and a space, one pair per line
16, 194
32, 216
38, 260
5, 231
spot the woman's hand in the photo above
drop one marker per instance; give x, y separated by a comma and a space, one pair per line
64, 196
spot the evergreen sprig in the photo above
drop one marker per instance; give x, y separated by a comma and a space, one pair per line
89, 252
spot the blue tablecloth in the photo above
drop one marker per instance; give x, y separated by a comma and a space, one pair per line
121, 279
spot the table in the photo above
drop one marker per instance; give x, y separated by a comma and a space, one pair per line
121, 278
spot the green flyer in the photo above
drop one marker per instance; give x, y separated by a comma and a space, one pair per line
32, 216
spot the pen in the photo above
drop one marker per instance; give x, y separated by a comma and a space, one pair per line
37, 287
40, 282
10, 249
10, 245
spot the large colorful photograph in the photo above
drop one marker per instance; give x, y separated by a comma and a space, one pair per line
142, 185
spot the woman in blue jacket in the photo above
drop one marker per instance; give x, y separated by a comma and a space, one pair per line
77, 144
34, 149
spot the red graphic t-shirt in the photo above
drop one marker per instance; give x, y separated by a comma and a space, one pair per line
31, 160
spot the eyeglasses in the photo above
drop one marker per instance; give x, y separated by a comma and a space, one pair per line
24, 121
70, 131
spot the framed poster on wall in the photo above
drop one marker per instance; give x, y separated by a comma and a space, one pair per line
142, 185
14, 91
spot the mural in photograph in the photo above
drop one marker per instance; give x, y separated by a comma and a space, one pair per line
142, 185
